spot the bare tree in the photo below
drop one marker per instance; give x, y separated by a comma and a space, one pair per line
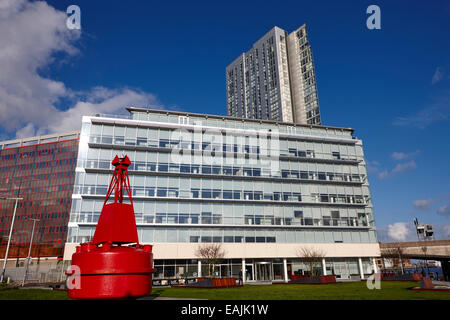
396, 256
313, 257
210, 254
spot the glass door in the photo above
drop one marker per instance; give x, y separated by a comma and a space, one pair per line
249, 275
341, 270
264, 271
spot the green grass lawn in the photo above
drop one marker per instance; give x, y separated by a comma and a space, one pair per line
32, 294
390, 290
339, 291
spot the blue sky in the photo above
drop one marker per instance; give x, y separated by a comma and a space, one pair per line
391, 85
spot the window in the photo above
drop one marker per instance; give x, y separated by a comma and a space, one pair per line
336, 155
183, 120
335, 216
362, 220
206, 239
206, 169
310, 154
249, 239
293, 152
260, 239
206, 218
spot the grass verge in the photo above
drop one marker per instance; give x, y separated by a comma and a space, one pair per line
390, 290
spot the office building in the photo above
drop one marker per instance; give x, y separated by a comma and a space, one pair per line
41, 170
262, 189
275, 80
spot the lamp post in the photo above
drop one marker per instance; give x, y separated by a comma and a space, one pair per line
427, 232
424, 249
10, 234
29, 251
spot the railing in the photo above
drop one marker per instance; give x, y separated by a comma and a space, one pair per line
227, 171
38, 273
116, 116
221, 148
229, 195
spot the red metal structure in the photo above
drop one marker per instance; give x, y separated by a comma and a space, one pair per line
109, 270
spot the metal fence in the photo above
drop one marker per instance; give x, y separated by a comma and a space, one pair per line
37, 273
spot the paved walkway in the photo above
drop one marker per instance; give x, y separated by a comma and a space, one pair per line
441, 283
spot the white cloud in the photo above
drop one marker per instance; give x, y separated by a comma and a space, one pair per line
441, 231
398, 155
423, 204
27, 131
31, 34
438, 110
399, 231
404, 166
383, 174
444, 210
110, 102
372, 166
437, 76
404, 231
402, 155
446, 231
401, 167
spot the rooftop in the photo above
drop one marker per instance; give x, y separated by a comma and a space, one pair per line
23, 142
221, 117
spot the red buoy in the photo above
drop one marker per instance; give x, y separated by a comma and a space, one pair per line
106, 268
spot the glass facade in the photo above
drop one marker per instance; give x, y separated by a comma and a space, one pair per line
275, 80
316, 193
259, 269
40, 170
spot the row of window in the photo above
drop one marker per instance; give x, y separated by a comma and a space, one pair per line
227, 171
161, 235
38, 165
208, 218
226, 209
30, 179
218, 194
251, 185
269, 147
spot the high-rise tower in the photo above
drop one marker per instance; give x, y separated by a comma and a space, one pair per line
275, 80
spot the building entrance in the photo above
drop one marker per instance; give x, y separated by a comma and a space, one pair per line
249, 274
263, 271
341, 270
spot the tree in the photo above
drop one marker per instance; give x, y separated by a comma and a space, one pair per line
210, 254
396, 256
313, 257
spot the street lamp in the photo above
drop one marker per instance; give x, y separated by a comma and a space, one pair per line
424, 249
10, 234
29, 251
424, 231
